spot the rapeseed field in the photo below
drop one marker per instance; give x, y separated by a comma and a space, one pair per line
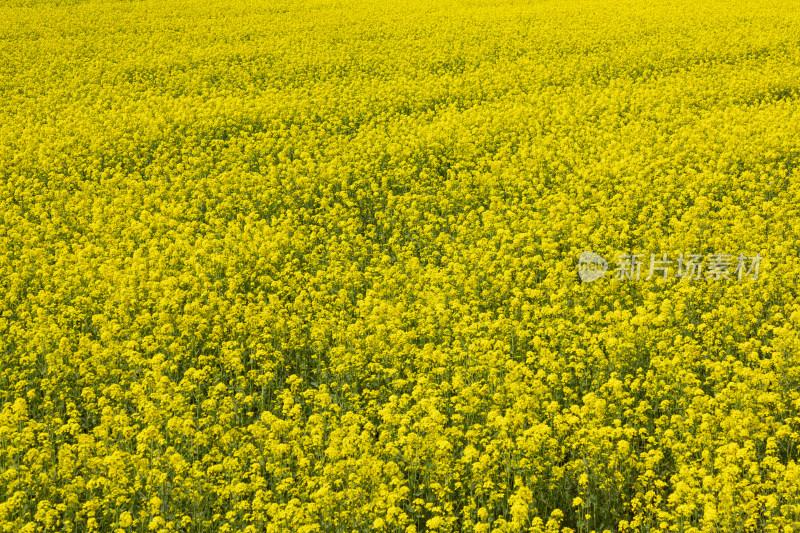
357, 265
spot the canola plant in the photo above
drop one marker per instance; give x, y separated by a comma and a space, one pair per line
312, 266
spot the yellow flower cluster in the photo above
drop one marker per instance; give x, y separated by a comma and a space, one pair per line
274, 266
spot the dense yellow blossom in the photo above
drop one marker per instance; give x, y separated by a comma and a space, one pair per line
311, 266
